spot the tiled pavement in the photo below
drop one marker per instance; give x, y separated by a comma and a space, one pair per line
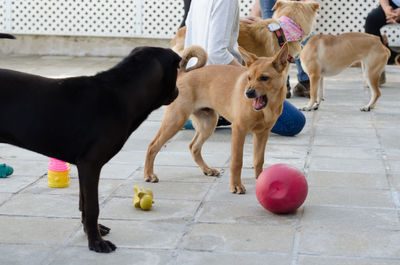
351, 216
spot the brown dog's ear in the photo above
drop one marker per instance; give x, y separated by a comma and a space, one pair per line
314, 6
280, 59
247, 57
278, 4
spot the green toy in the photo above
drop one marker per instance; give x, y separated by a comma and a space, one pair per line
5, 170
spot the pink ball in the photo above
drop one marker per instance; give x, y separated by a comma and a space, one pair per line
281, 188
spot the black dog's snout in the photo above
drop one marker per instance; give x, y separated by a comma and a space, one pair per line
251, 93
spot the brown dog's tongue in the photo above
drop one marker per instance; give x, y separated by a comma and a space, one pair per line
258, 102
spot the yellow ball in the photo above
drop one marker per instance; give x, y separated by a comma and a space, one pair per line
145, 202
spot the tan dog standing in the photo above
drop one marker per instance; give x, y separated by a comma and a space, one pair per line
328, 55
250, 97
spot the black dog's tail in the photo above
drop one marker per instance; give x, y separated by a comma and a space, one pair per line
190, 52
6, 36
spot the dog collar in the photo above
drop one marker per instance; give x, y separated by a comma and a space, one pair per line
280, 36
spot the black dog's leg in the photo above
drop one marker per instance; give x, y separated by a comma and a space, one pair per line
88, 184
104, 230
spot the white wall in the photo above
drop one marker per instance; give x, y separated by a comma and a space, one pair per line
149, 18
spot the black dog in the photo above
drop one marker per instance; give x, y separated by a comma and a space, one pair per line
86, 120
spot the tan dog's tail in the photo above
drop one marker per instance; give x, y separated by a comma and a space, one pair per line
190, 52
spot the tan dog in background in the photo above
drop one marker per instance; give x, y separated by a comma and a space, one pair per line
258, 39
328, 55
250, 97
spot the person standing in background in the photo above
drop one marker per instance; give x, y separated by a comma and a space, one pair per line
388, 12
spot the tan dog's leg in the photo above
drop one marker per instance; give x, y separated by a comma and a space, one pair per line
259, 143
237, 144
171, 124
372, 72
205, 122
320, 91
315, 79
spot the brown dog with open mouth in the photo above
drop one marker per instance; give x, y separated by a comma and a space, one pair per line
250, 97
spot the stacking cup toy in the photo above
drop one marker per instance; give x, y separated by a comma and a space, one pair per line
58, 173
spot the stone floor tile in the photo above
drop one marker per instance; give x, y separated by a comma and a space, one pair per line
162, 210
27, 168
18, 254
176, 174
349, 197
364, 218
342, 151
239, 237
392, 153
243, 212
185, 159
345, 131
138, 234
281, 151
122, 256
106, 187
313, 260
16, 183
394, 166
42, 205
131, 158
350, 232
346, 141
36, 230
4, 196
167, 190
118, 171
270, 160
331, 179
208, 147
350, 242
229, 258
366, 166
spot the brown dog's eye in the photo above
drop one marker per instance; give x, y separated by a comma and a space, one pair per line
264, 78
248, 78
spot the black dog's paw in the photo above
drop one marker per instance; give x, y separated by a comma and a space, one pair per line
104, 230
102, 246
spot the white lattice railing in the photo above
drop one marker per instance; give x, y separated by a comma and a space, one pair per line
150, 18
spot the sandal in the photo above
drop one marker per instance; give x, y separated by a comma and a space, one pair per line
5, 170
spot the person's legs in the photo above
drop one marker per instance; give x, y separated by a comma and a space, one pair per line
291, 121
186, 6
266, 6
375, 20
302, 89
